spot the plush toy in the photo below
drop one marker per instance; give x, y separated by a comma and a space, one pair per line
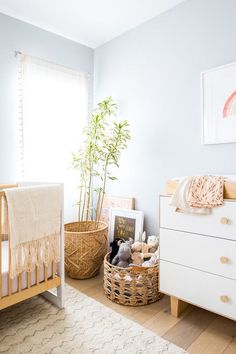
153, 242
144, 236
138, 246
153, 261
122, 258
136, 258
115, 245
147, 255
138, 249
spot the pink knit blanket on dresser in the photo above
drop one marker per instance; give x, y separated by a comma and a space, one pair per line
206, 192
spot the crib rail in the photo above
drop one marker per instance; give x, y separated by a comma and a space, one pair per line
39, 287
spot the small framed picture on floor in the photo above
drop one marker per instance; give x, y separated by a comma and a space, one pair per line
126, 224
115, 202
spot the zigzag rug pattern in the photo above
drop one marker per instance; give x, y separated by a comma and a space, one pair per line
84, 326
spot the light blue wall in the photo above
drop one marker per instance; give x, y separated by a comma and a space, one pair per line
153, 72
18, 36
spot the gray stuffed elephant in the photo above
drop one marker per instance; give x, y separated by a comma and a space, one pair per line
123, 256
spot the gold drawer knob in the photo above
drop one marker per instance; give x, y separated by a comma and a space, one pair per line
224, 260
224, 221
224, 298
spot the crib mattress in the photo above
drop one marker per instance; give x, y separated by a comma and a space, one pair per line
5, 269
229, 186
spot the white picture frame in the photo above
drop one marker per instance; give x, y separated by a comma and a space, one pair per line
125, 223
218, 101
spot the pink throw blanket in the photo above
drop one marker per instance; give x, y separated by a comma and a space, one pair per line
206, 192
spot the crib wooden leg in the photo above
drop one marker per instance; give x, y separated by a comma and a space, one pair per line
177, 306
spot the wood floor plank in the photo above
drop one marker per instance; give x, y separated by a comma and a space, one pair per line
231, 348
95, 293
145, 313
189, 328
163, 321
216, 338
123, 310
83, 285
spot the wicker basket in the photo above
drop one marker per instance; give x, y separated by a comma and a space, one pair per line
85, 250
134, 286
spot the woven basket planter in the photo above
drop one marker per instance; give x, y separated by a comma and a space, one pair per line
85, 250
134, 286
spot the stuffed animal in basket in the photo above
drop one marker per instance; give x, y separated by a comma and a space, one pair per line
138, 246
115, 245
138, 249
153, 260
136, 258
122, 259
153, 242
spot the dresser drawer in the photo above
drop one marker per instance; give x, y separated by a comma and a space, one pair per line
210, 254
221, 222
209, 291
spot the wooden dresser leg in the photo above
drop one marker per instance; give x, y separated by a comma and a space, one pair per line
177, 306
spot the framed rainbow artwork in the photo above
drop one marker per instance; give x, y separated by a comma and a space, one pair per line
219, 104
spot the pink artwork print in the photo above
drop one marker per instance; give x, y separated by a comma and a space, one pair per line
115, 202
230, 106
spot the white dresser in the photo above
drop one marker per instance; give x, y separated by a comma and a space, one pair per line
198, 258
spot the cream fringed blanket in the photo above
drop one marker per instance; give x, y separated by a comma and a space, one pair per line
35, 222
4, 219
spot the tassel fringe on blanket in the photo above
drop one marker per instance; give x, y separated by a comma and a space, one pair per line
206, 192
26, 256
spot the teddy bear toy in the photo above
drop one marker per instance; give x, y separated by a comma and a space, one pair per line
136, 258
138, 250
122, 259
138, 246
142, 251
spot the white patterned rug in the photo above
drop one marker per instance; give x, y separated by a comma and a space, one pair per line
83, 327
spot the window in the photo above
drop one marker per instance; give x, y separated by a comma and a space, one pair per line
53, 112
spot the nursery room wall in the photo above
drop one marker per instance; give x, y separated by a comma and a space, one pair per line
153, 72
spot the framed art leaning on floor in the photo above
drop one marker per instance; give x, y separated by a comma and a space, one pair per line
115, 202
126, 224
219, 104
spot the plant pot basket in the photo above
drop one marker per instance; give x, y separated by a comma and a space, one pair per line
85, 248
134, 286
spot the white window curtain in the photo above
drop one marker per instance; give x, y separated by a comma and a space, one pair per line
53, 111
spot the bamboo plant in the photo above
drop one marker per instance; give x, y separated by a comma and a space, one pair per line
104, 141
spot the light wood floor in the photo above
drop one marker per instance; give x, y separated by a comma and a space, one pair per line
197, 331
